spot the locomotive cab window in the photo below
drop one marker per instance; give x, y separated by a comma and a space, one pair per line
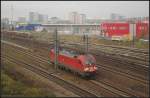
89, 62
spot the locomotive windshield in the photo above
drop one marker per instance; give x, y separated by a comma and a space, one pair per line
89, 60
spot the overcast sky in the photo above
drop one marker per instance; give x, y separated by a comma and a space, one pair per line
61, 9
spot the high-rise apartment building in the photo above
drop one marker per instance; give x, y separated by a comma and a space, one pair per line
77, 18
82, 18
33, 17
74, 17
36, 18
22, 19
115, 16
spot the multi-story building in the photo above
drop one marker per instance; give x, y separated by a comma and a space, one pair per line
5, 20
36, 18
5, 23
115, 16
22, 20
82, 18
77, 18
54, 20
43, 18
74, 17
33, 17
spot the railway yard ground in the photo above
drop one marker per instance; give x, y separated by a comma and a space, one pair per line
27, 70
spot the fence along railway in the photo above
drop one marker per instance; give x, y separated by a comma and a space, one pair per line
133, 88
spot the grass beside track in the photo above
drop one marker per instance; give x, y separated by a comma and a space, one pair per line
18, 85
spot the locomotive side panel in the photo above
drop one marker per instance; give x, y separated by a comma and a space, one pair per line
71, 63
85, 65
68, 62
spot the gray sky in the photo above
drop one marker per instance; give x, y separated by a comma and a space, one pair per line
61, 9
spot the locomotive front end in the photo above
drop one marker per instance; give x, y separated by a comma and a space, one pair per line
89, 64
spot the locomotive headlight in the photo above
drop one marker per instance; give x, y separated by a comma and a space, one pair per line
95, 68
86, 69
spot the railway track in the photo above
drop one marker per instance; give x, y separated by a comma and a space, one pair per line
133, 69
95, 87
117, 80
51, 77
139, 57
130, 68
144, 62
141, 72
114, 62
117, 90
126, 52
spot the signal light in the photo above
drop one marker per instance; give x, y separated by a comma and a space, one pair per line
95, 68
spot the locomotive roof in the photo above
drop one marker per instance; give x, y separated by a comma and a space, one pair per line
70, 53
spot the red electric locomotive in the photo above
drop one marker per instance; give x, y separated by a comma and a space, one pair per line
83, 64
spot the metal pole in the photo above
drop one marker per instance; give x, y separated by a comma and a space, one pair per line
85, 39
133, 35
56, 48
87, 44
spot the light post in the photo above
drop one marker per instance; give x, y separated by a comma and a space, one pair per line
133, 34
